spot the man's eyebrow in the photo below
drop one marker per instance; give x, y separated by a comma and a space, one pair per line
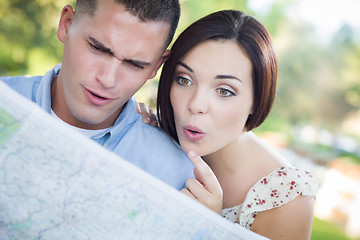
108, 51
227, 77
100, 46
137, 62
185, 66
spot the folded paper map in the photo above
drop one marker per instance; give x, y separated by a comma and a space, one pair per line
57, 184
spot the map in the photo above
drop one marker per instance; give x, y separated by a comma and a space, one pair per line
57, 184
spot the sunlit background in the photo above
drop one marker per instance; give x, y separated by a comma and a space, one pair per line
315, 121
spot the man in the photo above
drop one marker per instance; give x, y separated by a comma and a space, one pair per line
111, 48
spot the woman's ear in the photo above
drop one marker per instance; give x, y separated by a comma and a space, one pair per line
66, 19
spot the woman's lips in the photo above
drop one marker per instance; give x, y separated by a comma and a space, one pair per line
96, 98
194, 134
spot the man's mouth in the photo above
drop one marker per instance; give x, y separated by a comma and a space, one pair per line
98, 96
95, 98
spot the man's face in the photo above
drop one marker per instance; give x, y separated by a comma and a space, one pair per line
107, 58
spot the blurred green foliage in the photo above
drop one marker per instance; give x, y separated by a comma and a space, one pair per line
324, 230
28, 41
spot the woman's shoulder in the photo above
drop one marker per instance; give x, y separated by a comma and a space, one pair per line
273, 182
280, 187
274, 190
277, 181
296, 215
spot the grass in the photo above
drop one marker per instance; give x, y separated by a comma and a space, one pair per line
324, 230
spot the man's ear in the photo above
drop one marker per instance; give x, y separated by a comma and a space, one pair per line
66, 19
160, 62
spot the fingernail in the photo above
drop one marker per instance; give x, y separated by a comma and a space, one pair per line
192, 154
146, 120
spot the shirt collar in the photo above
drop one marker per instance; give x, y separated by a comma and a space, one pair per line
43, 92
126, 118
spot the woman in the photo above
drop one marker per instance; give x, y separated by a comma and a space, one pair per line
217, 85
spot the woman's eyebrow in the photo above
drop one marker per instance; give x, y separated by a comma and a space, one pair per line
185, 66
221, 76
224, 76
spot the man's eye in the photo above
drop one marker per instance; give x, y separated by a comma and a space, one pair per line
134, 65
183, 81
94, 47
137, 66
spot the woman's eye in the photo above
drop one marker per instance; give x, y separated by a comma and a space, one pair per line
225, 92
183, 81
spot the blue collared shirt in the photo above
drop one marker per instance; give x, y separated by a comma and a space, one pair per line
143, 145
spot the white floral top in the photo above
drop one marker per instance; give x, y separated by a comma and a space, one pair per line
276, 189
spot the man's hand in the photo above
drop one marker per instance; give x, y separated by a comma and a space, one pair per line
205, 188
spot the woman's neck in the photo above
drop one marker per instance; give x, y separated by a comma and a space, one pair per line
233, 166
231, 157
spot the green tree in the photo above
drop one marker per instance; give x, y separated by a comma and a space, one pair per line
350, 69
195, 9
311, 85
28, 36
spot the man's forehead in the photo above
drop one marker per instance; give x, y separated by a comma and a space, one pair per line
126, 36
126, 52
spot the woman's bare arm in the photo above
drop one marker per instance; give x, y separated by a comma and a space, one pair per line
292, 221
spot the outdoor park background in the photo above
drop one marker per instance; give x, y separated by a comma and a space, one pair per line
315, 121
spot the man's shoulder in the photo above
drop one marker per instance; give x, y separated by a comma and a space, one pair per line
164, 156
155, 135
151, 149
154, 139
27, 85
22, 84
17, 80
144, 134
130, 132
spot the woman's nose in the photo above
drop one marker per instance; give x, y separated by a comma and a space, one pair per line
198, 103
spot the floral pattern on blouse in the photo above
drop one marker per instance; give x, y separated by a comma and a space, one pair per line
276, 189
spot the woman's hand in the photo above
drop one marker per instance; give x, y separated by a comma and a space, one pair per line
148, 115
205, 188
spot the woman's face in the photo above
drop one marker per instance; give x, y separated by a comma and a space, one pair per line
212, 96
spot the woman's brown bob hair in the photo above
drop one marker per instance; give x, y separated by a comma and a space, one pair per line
250, 35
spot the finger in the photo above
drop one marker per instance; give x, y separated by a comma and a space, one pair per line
197, 189
153, 118
187, 193
145, 112
211, 200
204, 174
137, 106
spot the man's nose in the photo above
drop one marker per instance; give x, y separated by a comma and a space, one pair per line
108, 73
